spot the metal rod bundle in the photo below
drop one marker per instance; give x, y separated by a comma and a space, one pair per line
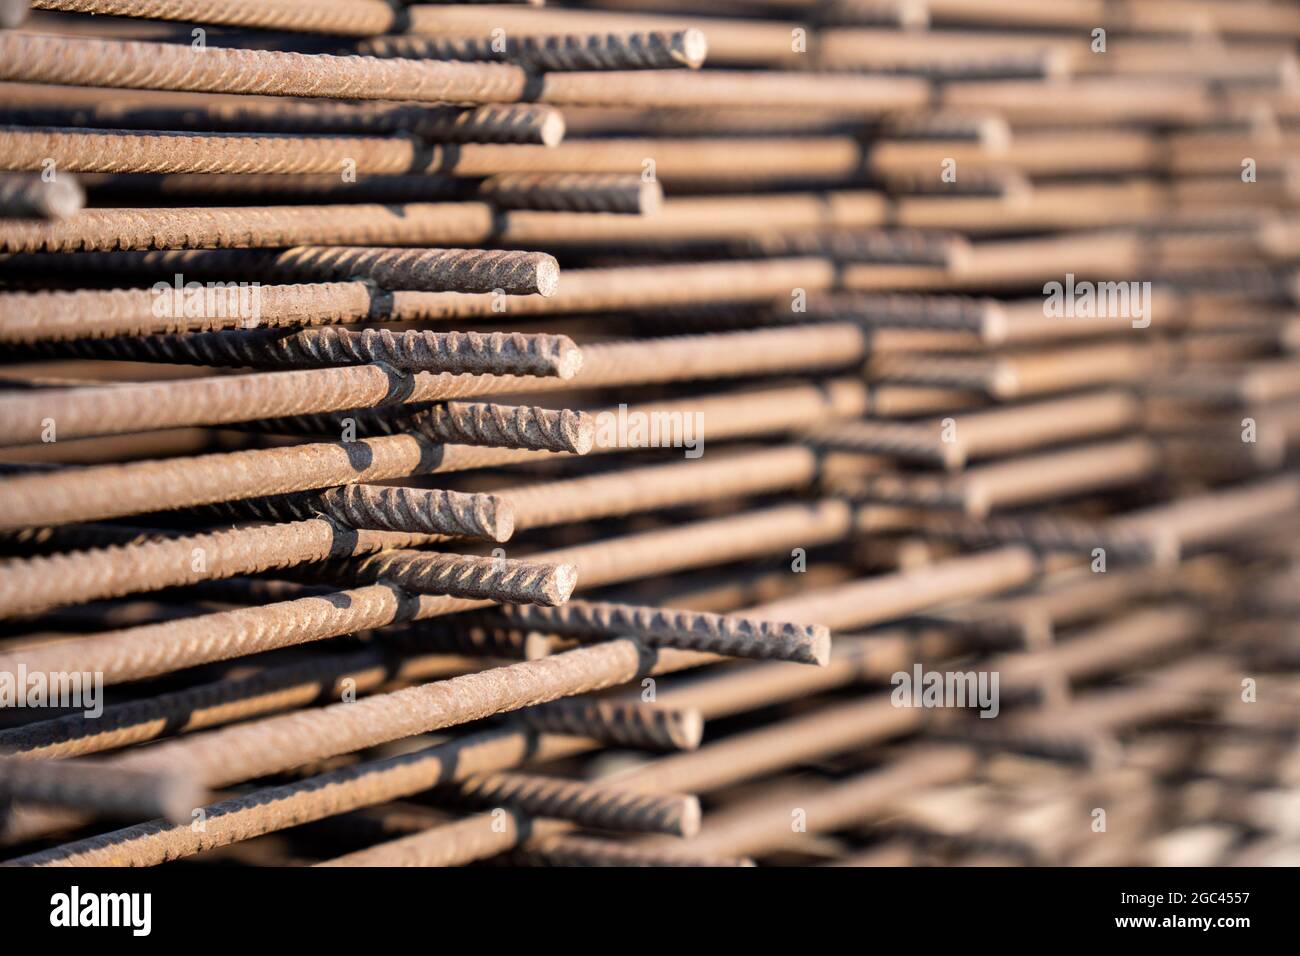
466, 432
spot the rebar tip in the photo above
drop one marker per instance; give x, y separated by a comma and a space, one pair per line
691, 816
552, 129
819, 645
570, 359
690, 48
651, 198
548, 276
179, 796
64, 197
499, 518
579, 429
686, 728
562, 580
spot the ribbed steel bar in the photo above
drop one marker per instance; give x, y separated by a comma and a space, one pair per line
350, 18
31, 584
461, 353
499, 123
126, 315
129, 64
729, 635
215, 227
651, 50
574, 192
647, 726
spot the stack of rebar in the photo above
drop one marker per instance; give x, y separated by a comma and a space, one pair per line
639, 432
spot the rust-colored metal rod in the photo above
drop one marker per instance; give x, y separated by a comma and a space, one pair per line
31, 584
36, 416
215, 227
28, 318
648, 50
466, 576
353, 18
128, 64
89, 786
387, 508
161, 152
625, 723
31, 197
222, 702
593, 805
153, 649
574, 192
513, 123
509, 426
461, 353
276, 808
726, 634
583, 290
96, 493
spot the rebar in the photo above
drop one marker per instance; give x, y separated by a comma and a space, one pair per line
135, 65
805, 374
730, 635
600, 51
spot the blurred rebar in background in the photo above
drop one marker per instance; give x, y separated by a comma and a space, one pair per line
642, 432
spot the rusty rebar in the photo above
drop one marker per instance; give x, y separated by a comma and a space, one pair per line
129, 64
125, 316
495, 353
574, 192
508, 426
385, 508
647, 726
654, 50
468, 576
726, 634
355, 18
602, 807
214, 227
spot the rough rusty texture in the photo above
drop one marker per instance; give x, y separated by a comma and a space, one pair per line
462, 353
574, 192
354, 18
515, 123
132, 65
727, 634
647, 726
606, 808
600, 51
128, 317
381, 508
467, 576
104, 230
508, 426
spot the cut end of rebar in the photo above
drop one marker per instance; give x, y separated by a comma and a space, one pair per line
686, 728
547, 276
499, 518
819, 645
691, 49
692, 816
563, 579
552, 128
570, 357
650, 199
580, 431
